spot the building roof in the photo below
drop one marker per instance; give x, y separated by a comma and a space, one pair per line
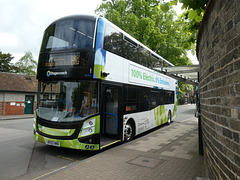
10, 82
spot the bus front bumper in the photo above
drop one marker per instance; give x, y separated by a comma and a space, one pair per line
80, 144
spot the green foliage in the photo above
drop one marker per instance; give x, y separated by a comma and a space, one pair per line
27, 65
5, 63
183, 88
195, 5
153, 24
194, 11
164, 7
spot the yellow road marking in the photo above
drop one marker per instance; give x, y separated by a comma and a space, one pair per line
62, 157
110, 144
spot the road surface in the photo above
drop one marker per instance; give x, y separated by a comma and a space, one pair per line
23, 158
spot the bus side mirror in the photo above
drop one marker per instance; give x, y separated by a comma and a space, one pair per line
104, 74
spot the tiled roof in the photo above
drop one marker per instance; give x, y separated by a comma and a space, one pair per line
17, 82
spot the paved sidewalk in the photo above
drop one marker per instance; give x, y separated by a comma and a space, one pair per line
170, 152
12, 117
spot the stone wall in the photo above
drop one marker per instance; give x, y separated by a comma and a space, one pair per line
218, 51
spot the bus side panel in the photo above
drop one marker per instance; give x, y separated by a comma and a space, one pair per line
174, 114
100, 54
115, 67
160, 115
175, 100
143, 120
149, 119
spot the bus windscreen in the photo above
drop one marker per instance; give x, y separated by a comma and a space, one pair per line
64, 101
68, 34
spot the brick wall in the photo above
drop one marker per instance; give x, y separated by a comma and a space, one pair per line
218, 51
17, 108
7, 108
1, 108
14, 103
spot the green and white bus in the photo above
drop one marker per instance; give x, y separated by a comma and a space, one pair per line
96, 86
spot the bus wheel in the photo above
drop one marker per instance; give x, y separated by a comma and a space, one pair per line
169, 117
128, 132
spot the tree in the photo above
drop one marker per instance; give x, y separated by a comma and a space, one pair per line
183, 88
193, 14
191, 17
5, 63
27, 65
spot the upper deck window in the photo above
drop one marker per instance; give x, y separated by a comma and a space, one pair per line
69, 34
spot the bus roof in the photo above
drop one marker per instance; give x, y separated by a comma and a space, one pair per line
80, 16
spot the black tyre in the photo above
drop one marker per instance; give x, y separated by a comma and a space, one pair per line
169, 117
128, 132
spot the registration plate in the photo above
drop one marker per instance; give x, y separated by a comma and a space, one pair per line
53, 143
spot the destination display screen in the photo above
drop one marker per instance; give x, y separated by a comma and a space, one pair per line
66, 59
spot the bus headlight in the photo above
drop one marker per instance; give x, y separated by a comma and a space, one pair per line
89, 123
88, 131
88, 127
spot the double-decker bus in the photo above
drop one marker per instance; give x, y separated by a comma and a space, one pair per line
96, 86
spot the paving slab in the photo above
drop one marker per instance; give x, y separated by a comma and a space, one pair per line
170, 152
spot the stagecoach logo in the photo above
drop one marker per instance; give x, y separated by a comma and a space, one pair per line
51, 73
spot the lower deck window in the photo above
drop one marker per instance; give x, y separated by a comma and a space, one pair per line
137, 99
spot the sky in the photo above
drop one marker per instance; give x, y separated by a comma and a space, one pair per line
22, 22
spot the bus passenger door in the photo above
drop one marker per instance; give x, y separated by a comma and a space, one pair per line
112, 114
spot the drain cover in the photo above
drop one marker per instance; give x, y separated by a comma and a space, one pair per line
146, 161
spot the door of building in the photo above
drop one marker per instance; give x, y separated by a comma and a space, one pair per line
29, 104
